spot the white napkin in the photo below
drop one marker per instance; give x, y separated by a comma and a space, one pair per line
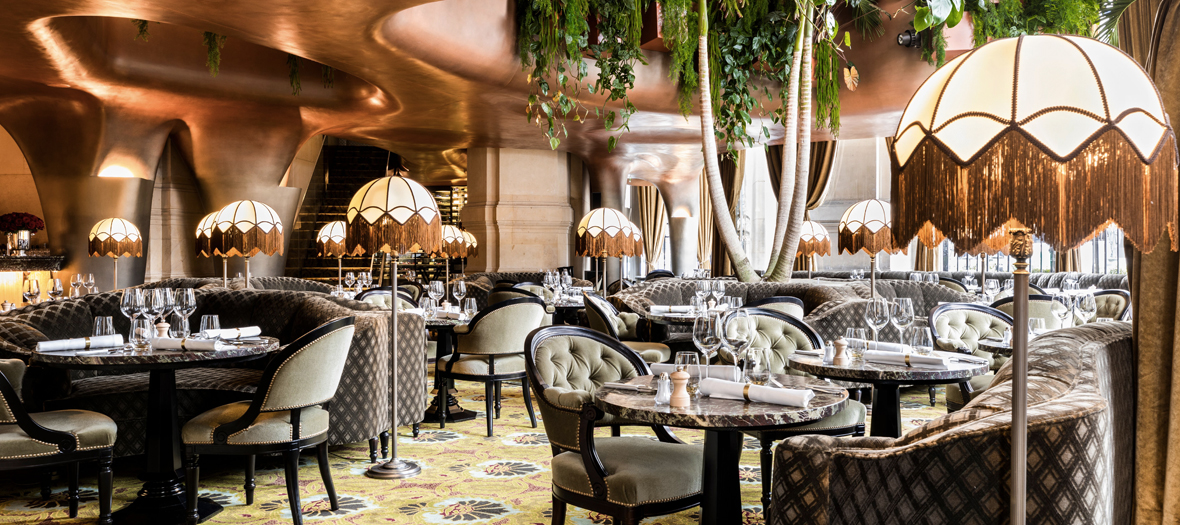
810, 353
81, 343
764, 394
626, 386
189, 344
917, 361
726, 372
886, 347
659, 309
961, 357
446, 314
234, 333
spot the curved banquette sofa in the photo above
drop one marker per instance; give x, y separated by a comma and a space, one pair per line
954, 469
479, 285
360, 410
1101, 281
294, 284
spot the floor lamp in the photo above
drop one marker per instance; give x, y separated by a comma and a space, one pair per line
865, 226
472, 249
604, 232
393, 215
205, 245
115, 238
814, 241
453, 246
330, 241
1036, 129
245, 229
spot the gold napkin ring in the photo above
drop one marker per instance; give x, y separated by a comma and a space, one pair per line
87, 343
746, 392
182, 340
907, 360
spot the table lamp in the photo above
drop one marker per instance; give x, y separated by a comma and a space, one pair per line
1064, 134
604, 232
114, 238
393, 215
813, 241
865, 226
245, 229
330, 243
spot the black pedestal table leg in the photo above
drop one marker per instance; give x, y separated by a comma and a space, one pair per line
886, 420
721, 502
453, 412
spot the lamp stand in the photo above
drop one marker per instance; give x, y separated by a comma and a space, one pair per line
447, 290
982, 270
224, 272
340, 270
116, 275
247, 273
395, 468
380, 273
810, 264
873, 276
1021, 249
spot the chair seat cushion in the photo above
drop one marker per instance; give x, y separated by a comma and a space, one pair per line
639, 470
91, 429
477, 365
270, 427
650, 352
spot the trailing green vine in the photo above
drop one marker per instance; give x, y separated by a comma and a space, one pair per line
1010, 18
827, 92
213, 45
293, 74
328, 76
141, 29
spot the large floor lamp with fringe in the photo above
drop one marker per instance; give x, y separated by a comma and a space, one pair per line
865, 226
453, 246
330, 242
602, 233
115, 238
393, 215
1062, 134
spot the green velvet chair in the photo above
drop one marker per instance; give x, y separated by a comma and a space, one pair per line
289, 412
956, 326
953, 284
57, 439
792, 306
490, 350
783, 334
626, 478
1042, 306
624, 327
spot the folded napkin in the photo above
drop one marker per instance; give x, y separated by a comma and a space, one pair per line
961, 357
233, 333
81, 343
659, 309
726, 372
189, 344
763, 394
917, 361
886, 347
810, 353
626, 386
441, 314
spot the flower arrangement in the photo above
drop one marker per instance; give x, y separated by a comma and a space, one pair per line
14, 222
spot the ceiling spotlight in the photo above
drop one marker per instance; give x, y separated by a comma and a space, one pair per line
909, 39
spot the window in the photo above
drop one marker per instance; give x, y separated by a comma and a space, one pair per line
1102, 254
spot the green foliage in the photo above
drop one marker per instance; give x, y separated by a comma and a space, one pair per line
934, 48
141, 27
619, 24
1109, 14
681, 32
1010, 18
827, 91
213, 45
328, 75
293, 74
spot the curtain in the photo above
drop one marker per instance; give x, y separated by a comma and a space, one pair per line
732, 176
925, 259
704, 224
822, 156
1066, 261
1155, 293
651, 222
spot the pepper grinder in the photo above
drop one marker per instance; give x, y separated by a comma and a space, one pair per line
680, 397
162, 329
841, 356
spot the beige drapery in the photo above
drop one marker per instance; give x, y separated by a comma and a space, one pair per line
652, 218
925, 259
1155, 292
822, 156
732, 176
1066, 261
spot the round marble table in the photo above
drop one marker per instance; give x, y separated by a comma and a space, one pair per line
672, 319
723, 421
996, 347
886, 380
162, 499
445, 328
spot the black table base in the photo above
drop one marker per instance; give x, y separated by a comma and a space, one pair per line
454, 412
721, 500
886, 420
155, 510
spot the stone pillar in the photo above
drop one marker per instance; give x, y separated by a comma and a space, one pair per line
518, 208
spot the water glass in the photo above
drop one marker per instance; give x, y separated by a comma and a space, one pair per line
991, 287
209, 325
756, 368
877, 315
55, 289
703, 290
459, 291
349, 279
469, 308
428, 305
103, 325
141, 334
738, 332
31, 291
919, 338
76, 285
1036, 325
436, 290
1086, 306
718, 290
698, 305
691, 363
901, 314
178, 325
88, 282
1062, 308
1009, 284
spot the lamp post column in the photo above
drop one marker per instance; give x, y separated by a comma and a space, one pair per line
1021, 249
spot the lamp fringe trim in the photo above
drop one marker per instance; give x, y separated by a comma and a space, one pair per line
112, 248
864, 240
390, 236
236, 243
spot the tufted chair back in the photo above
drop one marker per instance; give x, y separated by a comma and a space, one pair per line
308, 371
792, 306
1115, 304
962, 325
953, 284
501, 328
536, 290
566, 365
13, 371
412, 289
1043, 306
499, 295
383, 297
781, 333
602, 316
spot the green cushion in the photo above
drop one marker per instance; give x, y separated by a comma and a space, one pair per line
650, 352
956, 398
639, 470
91, 429
477, 365
963, 328
270, 427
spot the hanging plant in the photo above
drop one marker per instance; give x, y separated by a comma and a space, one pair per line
141, 29
213, 45
1011, 18
328, 75
619, 24
293, 74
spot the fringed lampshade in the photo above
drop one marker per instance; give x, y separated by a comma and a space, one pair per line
1063, 134
604, 232
454, 245
394, 215
814, 240
865, 226
205, 235
330, 240
247, 228
115, 238
928, 235
637, 235
472, 244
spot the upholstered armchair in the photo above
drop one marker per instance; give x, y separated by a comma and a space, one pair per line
957, 326
412, 289
627, 478
1039, 306
792, 306
383, 298
490, 350
507, 293
59, 439
624, 327
1032, 290
1112, 304
953, 284
288, 413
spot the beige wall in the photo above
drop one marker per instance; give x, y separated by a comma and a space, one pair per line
19, 192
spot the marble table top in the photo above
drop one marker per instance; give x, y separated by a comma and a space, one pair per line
147, 359
671, 318
723, 414
867, 372
443, 324
995, 347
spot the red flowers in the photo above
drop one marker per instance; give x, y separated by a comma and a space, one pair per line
14, 222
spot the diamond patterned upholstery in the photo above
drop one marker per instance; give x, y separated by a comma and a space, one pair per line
955, 469
1102, 281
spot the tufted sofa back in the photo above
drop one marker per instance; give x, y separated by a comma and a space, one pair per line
1039, 306
1102, 281
782, 334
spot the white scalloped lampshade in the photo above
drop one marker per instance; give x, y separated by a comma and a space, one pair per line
866, 226
330, 239
114, 238
814, 240
454, 244
604, 232
205, 235
395, 215
247, 228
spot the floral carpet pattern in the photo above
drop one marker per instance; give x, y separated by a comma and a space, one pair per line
467, 478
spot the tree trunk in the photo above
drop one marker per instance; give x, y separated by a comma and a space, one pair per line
786, 258
727, 233
791, 126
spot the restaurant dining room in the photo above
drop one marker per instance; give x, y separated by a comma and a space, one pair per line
590, 262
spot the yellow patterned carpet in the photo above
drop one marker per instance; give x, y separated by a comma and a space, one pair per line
467, 478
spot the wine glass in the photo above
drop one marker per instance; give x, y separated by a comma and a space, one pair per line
706, 334
901, 315
368, 279
459, 290
1086, 307
1009, 284
154, 305
1062, 308
991, 287
88, 282
436, 290
349, 279
469, 308
738, 332
877, 315
718, 290
703, 290
1036, 325
76, 285
130, 304
32, 291
186, 304
692, 365
55, 289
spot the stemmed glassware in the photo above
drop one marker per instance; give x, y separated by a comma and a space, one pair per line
88, 282
436, 290
459, 290
551, 282
706, 334
567, 282
718, 290
55, 290
364, 279
901, 315
1063, 310
1086, 307
186, 304
991, 287
703, 290
738, 331
349, 279
31, 291
131, 305
877, 315
76, 285
469, 308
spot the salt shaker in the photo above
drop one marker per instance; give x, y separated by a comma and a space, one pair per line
663, 389
829, 353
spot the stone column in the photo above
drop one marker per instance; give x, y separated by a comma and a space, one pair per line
518, 208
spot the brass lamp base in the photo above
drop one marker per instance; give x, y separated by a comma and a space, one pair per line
394, 469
